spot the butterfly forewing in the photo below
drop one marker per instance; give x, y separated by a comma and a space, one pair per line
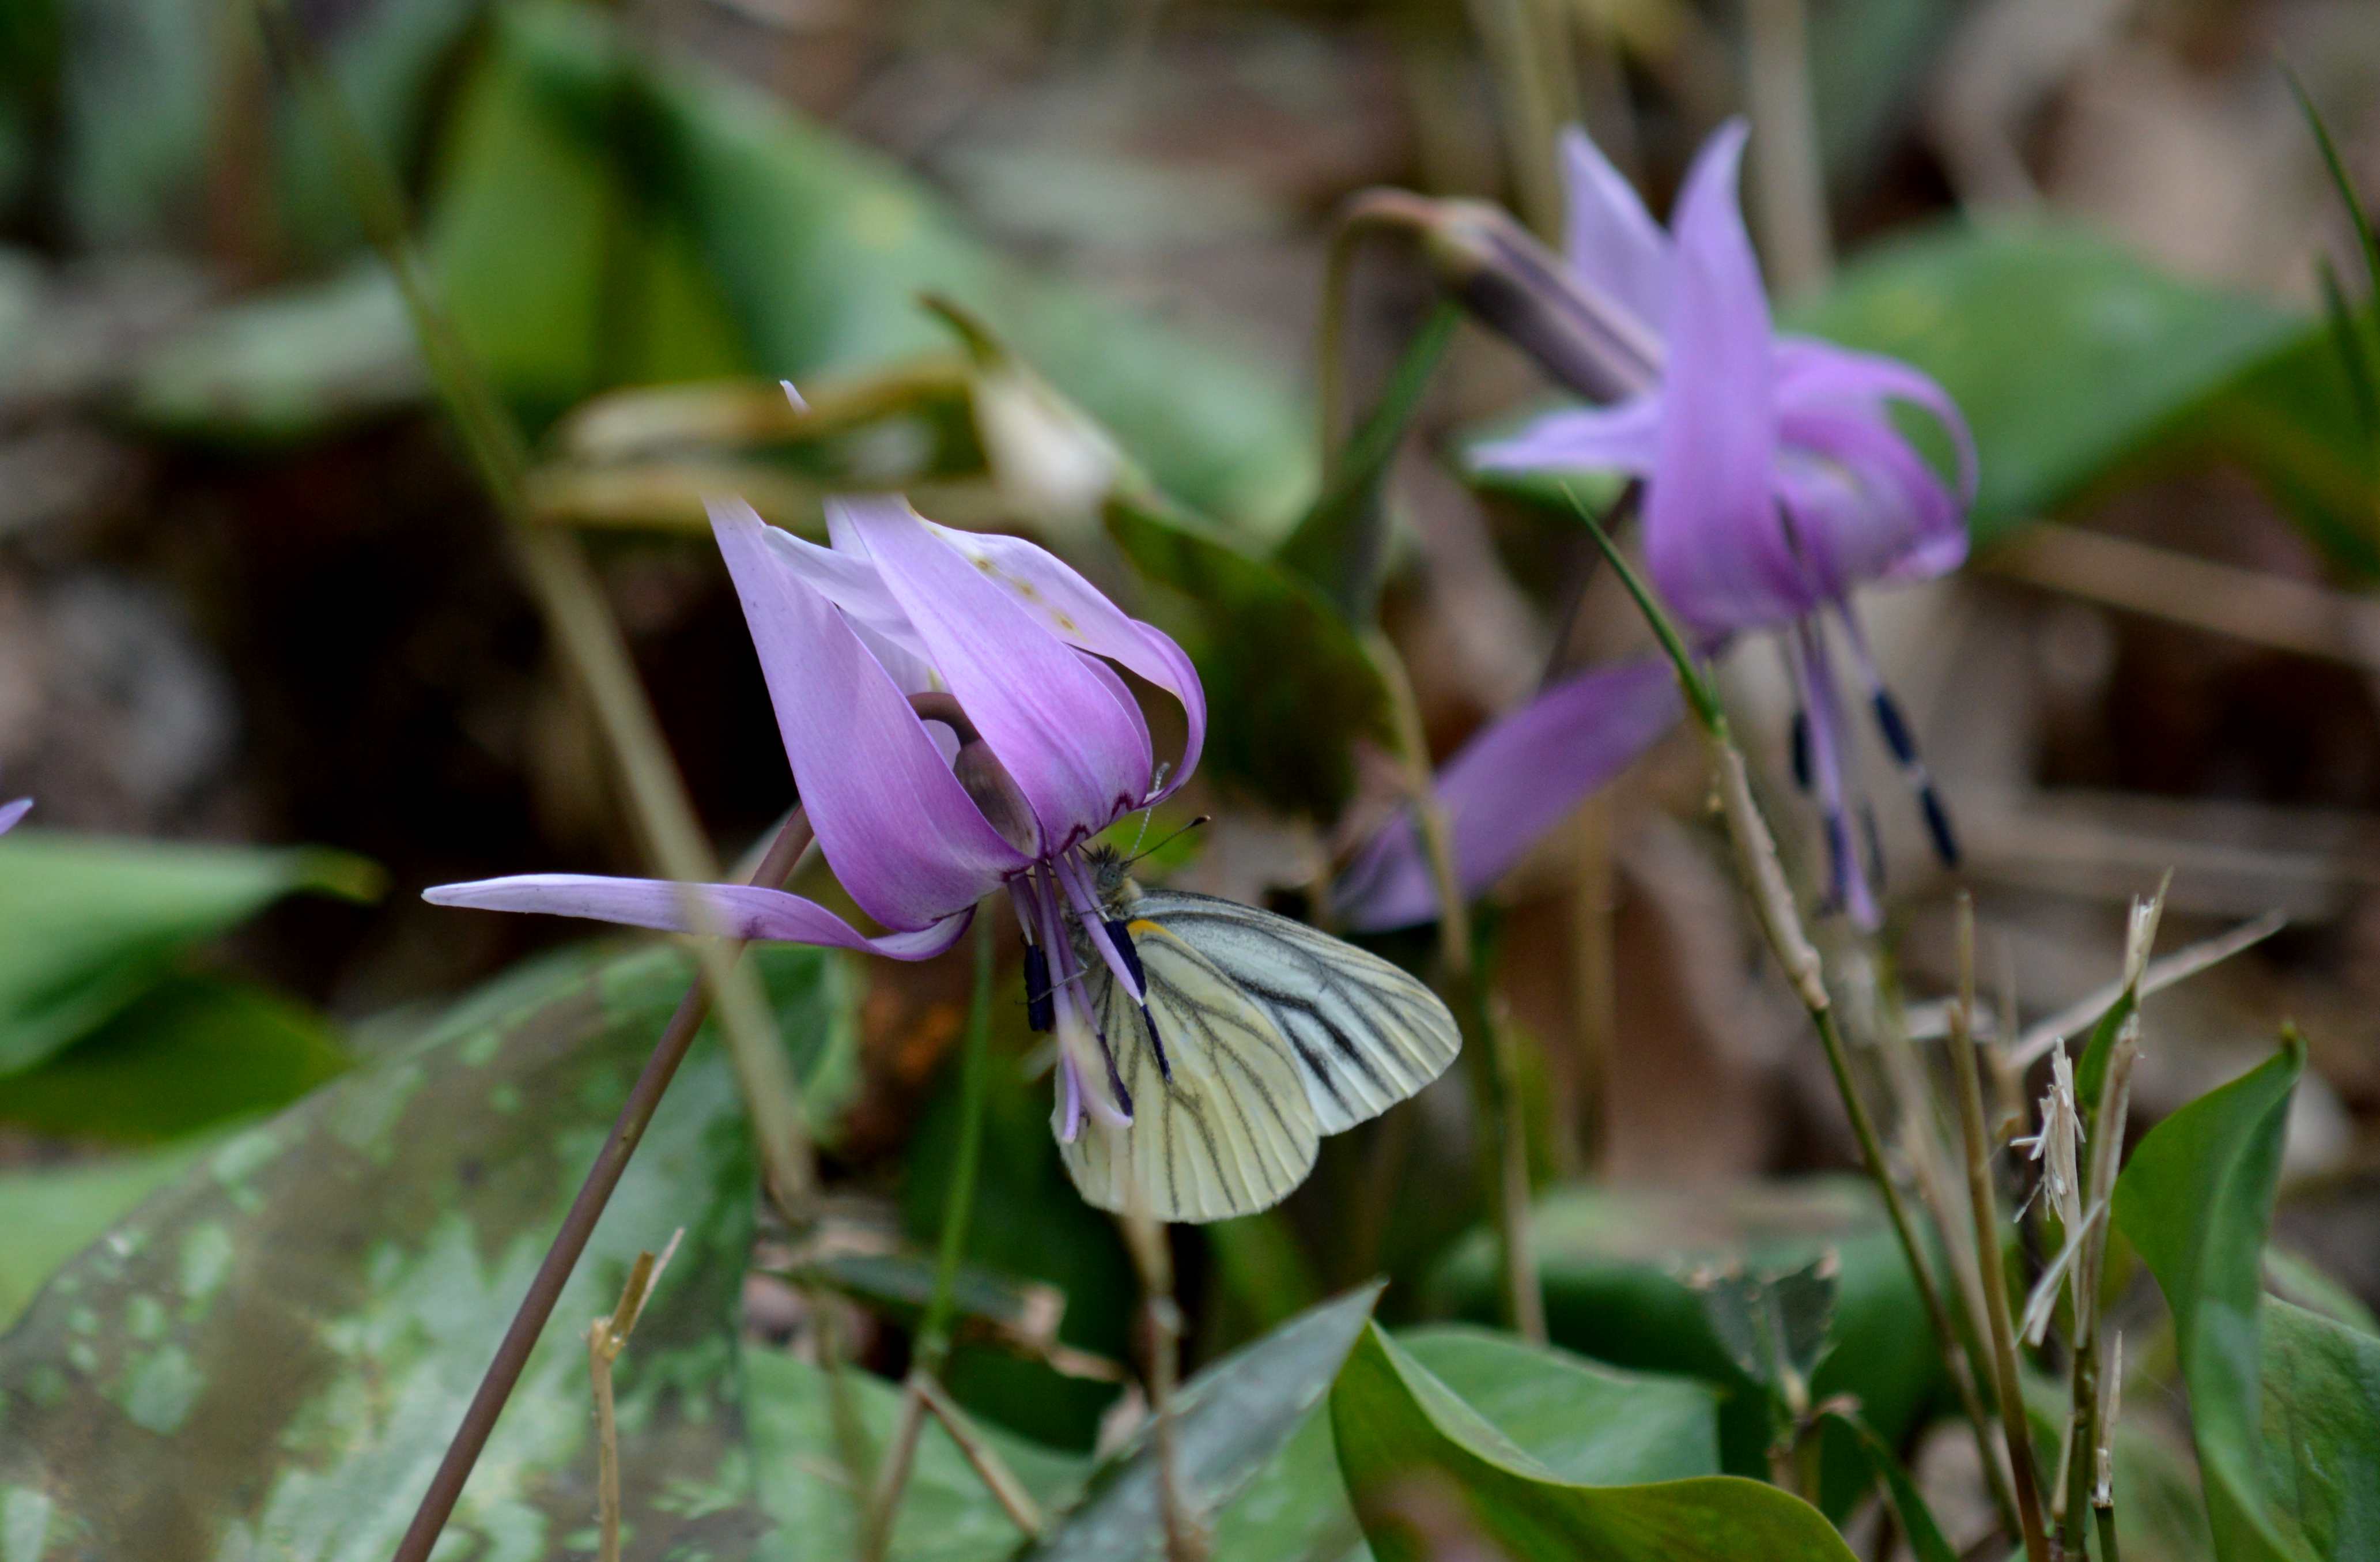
1232, 1132
1366, 1034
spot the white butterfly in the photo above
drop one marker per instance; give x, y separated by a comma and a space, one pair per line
1266, 1035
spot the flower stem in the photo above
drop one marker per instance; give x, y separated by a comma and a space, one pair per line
1185, 1536
1986, 1209
570, 600
1781, 922
553, 1272
1495, 1069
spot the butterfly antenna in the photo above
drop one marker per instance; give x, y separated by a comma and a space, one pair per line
1138, 854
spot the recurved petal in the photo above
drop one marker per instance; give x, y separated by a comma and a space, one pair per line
1866, 505
905, 839
744, 911
12, 811
1610, 239
1819, 376
1512, 784
1079, 614
1623, 438
1713, 539
1080, 758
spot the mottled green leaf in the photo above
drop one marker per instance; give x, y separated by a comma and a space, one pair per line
94, 923
192, 1052
53, 1213
2196, 1201
1428, 1473
1774, 1323
1584, 1422
946, 1514
1619, 1268
1231, 1421
821, 249
2065, 355
267, 1358
1289, 687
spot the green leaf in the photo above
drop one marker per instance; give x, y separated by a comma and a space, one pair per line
1029, 1221
1909, 1505
1428, 1473
946, 1515
2196, 1201
2321, 1428
53, 1213
1774, 1323
822, 247
2065, 355
94, 923
1584, 1422
1341, 543
1230, 1422
1289, 687
192, 1052
272, 1351
1619, 1267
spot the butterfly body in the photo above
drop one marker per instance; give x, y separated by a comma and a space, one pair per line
1260, 1036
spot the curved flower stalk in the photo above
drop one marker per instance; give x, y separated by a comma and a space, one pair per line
1776, 484
1041, 746
12, 811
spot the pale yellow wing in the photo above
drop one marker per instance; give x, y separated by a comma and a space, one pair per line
1233, 1132
1366, 1036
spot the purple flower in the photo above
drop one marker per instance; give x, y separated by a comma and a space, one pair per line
12, 811
1775, 482
1036, 746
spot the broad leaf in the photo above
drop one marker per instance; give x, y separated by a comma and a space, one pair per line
2195, 1203
53, 1213
1584, 1422
821, 249
1429, 1474
94, 923
268, 1356
1231, 1420
2321, 1428
1620, 1266
1908, 1504
946, 1515
192, 1052
2065, 355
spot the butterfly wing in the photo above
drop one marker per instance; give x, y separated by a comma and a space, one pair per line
1232, 1132
1366, 1034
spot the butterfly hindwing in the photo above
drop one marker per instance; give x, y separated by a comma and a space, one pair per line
1233, 1131
1366, 1034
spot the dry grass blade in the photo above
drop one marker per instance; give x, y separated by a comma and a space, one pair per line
606, 1337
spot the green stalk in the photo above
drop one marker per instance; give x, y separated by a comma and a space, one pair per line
1781, 922
958, 1209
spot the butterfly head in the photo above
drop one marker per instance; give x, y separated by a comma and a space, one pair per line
1111, 878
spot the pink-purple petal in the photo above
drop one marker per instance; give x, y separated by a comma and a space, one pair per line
1512, 784
1714, 542
12, 811
1623, 438
1080, 758
1815, 375
1610, 239
744, 911
1076, 612
904, 838
1866, 506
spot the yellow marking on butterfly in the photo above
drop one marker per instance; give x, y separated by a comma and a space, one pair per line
1140, 926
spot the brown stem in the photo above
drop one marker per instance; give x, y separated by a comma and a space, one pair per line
545, 1289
